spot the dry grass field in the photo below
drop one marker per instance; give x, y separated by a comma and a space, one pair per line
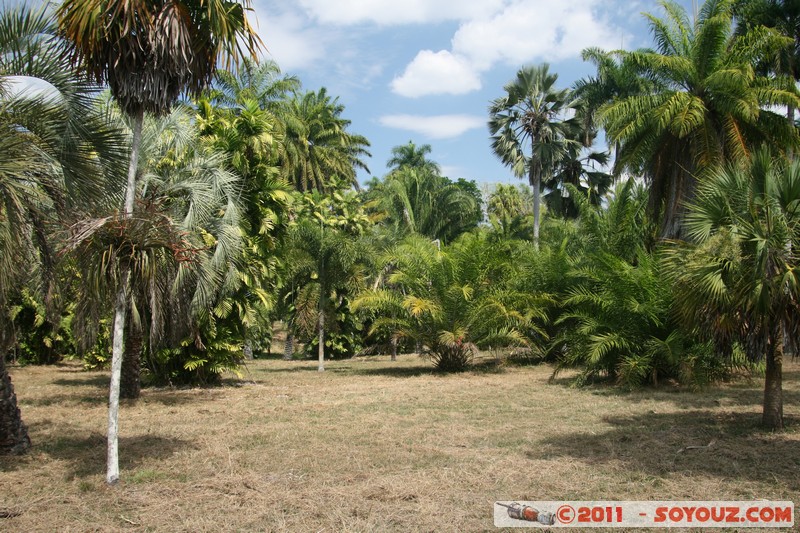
371, 445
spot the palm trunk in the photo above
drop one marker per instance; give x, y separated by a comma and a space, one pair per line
321, 347
120, 308
130, 380
394, 348
13, 432
117, 352
288, 346
535, 178
772, 416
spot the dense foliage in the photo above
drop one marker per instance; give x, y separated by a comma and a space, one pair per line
242, 208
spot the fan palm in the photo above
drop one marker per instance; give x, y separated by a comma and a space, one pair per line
149, 52
707, 106
529, 128
738, 280
57, 148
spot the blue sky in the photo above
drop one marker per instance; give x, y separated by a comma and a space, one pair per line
426, 70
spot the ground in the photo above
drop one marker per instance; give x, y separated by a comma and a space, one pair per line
371, 445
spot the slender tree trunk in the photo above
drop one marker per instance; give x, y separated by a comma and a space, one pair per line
117, 352
130, 187
120, 308
13, 432
130, 379
535, 178
772, 417
288, 346
321, 347
394, 348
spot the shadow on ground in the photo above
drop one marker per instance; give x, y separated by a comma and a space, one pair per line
86, 455
657, 443
87, 380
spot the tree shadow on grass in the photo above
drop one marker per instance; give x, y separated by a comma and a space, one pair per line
744, 393
394, 371
87, 380
657, 443
86, 455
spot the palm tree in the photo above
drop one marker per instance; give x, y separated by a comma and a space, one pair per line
529, 128
411, 155
708, 106
738, 282
784, 17
317, 146
261, 82
149, 53
326, 266
57, 148
418, 200
581, 171
453, 300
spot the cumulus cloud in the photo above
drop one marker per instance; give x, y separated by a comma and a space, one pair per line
436, 73
539, 30
434, 127
392, 12
519, 32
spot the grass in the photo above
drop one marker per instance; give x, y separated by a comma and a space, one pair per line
371, 445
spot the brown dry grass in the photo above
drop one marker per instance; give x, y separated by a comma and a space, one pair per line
372, 445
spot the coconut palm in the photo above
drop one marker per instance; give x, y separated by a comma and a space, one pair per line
529, 128
149, 52
737, 281
317, 146
707, 106
57, 149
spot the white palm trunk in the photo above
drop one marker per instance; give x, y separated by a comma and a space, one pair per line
120, 309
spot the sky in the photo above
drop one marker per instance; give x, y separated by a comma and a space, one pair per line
426, 70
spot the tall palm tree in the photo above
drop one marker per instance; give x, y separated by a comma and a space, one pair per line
412, 155
529, 128
318, 148
260, 81
707, 106
57, 150
738, 280
149, 53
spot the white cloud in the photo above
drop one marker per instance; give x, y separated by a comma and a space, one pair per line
434, 127
436, 73
392, 12
289, 40
523, 31
535, 30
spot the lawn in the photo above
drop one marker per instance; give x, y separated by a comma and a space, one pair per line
372, 445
